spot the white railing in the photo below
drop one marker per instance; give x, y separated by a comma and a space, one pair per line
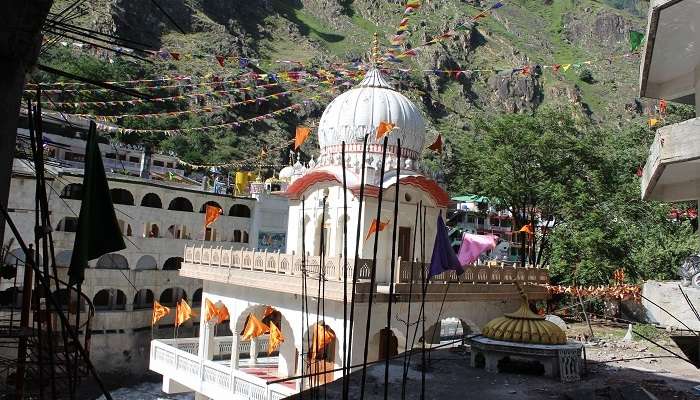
210, 378
290, 264
222, 345
272, 262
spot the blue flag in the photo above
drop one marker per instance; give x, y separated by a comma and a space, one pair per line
444, 258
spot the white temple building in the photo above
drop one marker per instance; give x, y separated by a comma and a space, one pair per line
218, 364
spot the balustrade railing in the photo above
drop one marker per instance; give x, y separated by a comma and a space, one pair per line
222, 345
290, 264
210, 378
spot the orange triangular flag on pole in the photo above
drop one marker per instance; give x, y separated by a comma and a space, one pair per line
276, 339
322, 337
302, 133
211, 215
253, 328
437, 144
384, 129
159, 311
183, 312
376, 226
223, 313
527, 229
268, 311
211, 311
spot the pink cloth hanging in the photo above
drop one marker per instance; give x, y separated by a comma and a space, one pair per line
473, 246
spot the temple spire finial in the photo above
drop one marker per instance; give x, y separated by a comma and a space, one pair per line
375, 50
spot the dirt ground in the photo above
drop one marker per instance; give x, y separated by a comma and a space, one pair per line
616, 370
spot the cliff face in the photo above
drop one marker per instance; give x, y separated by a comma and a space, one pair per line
316, 32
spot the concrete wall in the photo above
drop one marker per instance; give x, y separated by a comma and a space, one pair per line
668, 296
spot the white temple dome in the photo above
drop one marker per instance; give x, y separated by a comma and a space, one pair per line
359, 111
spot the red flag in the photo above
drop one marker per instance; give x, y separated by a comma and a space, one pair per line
640, 171
556, 67
220, 59
302, 133
175, 56
376, 226
437, 144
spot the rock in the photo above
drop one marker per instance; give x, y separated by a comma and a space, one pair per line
516, 92
628, 336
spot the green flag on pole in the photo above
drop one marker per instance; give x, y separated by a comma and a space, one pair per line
636, 39
98, 230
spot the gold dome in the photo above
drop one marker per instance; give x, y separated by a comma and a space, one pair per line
524, 326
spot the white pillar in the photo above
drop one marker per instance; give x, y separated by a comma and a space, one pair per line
234, 344
206, 340
253, 352
697, 91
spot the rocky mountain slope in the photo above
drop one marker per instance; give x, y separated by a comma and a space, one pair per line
319, 32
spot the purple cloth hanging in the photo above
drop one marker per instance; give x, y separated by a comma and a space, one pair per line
443, 258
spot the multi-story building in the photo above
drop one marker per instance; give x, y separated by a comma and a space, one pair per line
283, 289
158, 214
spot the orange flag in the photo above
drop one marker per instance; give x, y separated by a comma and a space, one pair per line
268, 311
211, 215
223, 313
322, 337
212, 311
302, 133
253, 328
377, 226
437, 144
159, 311
183, 312
384, 129
276, 338
527, 229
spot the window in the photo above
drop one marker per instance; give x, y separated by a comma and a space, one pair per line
143, 299
470, 219
110, 155
180, 204
151, 200
210, 203
158, 163
72, 191
173, 263
171, 296
239, 210
122, 196
245, 237
170, 165
237, 236
480, 221
134, 159
74, 157
109, 300
122, 157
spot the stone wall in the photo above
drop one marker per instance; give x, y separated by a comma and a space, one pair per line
668, 295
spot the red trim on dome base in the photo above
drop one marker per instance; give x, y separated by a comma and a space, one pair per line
439, 195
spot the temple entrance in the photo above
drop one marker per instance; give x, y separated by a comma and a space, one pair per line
404, 243
387, 342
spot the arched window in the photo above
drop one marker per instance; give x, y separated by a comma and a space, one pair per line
209, 203
125, 228
180, 204
145, 263
112, 261
72, 191
153, 231
197, 298
239, 210
67, 224
171, 296
151, 200
143, 299
173, 263
245, 237
121, 196
109, 300
237, 236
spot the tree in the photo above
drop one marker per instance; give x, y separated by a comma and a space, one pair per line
555, 166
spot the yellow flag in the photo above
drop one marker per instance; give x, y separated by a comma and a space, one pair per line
565, 67
253, 328
183, 312
653, 122
276, 338
159, 311
211, 310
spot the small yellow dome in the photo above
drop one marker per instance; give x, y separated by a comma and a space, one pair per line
524, 326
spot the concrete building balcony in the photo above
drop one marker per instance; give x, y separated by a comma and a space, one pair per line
283, 273
184, 370
672, 170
